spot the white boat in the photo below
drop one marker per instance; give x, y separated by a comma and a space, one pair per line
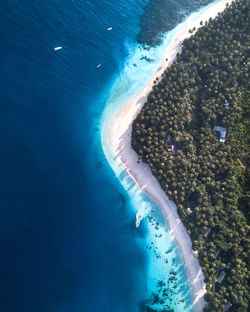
58, 48
99, 65
110, 28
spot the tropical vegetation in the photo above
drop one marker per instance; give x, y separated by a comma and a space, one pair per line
207, 177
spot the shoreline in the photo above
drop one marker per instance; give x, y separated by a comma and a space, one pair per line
117, 134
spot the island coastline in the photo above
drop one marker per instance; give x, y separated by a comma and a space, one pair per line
117, 137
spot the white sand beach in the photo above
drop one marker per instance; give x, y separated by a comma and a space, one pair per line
118, 141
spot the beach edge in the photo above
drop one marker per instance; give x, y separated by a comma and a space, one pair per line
116, 143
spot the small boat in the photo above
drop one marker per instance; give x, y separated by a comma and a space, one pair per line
110, 28
99, 65
58, 48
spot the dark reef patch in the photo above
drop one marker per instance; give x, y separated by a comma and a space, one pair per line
162, 15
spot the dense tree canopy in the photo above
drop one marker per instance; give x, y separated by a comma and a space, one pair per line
207, 86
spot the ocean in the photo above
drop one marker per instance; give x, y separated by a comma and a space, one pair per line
68, 241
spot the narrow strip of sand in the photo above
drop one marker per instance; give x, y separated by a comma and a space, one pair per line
118, 141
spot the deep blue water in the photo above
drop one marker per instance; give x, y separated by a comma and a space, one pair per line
67, 238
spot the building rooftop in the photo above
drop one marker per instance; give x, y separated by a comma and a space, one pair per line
189, 211
222, 276
223, 132
217, 254
173, 149
227, 306
208, 231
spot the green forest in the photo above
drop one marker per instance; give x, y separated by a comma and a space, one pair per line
193, 132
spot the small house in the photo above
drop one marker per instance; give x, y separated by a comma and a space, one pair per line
169, 139
206, 234
223, 132
227, 306
222, 276
227, 103
188, 211
217, 254
173, 149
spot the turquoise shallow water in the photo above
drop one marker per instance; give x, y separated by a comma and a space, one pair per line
165, 265
68, 241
